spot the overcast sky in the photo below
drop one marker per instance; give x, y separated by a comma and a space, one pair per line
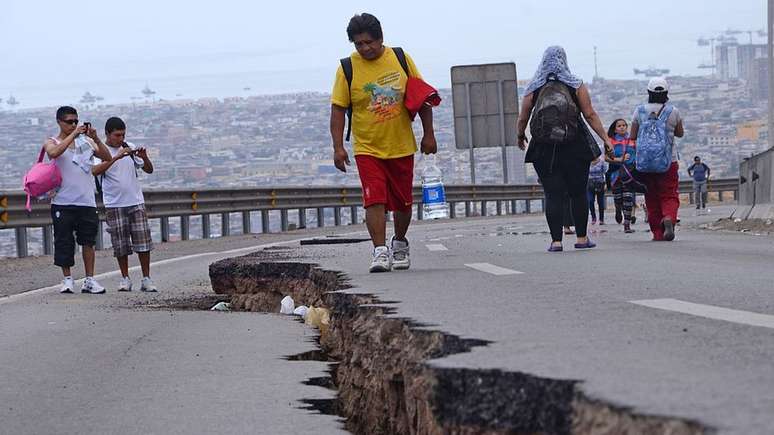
63, 42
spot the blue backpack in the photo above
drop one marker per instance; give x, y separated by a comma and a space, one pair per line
654, 145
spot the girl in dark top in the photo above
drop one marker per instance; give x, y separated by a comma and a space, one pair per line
563, 168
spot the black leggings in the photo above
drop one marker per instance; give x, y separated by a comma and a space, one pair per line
564, 178
598, 199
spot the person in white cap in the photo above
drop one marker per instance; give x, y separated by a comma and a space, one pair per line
657, 158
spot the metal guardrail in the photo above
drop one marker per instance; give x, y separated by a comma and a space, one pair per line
184, 203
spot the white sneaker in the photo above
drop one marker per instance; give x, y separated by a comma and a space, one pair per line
125, 285
90, 285
67, 285
381, 261
148, 285
400, 254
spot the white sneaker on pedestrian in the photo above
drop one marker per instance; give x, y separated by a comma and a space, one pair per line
67, 285
400, 254
125, 285
148, 285
90, 285
381, 261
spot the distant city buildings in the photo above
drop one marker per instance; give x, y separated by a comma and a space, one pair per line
284, 139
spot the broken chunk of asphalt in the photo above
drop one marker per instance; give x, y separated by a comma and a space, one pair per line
386, 386
333, 241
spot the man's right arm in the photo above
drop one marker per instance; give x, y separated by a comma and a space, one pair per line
340, 156
55, 150
101, 168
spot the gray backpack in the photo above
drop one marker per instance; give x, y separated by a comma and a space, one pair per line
555, 115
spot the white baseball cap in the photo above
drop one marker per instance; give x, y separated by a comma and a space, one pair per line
658, 82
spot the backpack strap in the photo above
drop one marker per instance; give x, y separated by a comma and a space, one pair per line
346, 66
42, 153
401, 59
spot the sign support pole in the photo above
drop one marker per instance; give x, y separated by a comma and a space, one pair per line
470, 136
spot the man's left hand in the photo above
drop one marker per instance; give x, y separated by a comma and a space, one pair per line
142, 153
92, 134
429, 145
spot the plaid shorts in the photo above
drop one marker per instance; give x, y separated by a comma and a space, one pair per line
129, 230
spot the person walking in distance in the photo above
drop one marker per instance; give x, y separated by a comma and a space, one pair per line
655, 125
373, 87
596, 190
624, 150
561, 148
124, 203
700, 173
74, 206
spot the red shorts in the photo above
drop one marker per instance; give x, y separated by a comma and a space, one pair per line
387, 181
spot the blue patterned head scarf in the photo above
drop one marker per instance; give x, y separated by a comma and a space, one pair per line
554, 62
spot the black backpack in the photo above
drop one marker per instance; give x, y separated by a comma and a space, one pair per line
346, 65
555, 116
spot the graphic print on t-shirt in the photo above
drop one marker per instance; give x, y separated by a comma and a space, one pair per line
385, 97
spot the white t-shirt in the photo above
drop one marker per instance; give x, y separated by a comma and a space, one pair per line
77, 186
120, 186
672, 121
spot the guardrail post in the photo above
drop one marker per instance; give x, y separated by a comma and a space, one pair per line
337, 216
452, 210
265, 228
543, 205
691, 199
48, 239
301, 218
736, 195
353, 214
528, 206
467, 208
320, 217
514, 207
720, 195
205, 226
225, 224
100, 237
284, 219
21, 242
185, 227
164, 229
420, 211
483, 208
499, 208
247, 225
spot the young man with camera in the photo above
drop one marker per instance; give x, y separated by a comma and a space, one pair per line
74, 207
125, 204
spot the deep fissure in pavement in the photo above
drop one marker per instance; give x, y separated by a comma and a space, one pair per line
385, 384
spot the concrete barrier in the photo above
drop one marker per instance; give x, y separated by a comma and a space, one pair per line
756, 178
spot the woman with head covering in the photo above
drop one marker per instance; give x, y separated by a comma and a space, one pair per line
561, 148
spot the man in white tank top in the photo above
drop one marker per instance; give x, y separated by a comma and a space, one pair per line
74, 208
125, 204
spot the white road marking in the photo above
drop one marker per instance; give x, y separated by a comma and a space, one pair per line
435, 247
491, 268
51, 289
710, 312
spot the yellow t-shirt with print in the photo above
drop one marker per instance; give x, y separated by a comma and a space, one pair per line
381, 125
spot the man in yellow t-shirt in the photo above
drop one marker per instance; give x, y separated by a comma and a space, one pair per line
384, 140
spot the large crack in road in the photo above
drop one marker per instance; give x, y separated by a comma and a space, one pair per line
386, 384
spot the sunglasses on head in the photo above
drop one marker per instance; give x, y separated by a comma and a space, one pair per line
70, 121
